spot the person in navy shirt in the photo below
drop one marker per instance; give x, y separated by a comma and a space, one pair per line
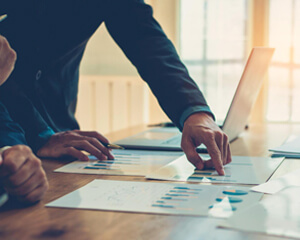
21, 173
50, 38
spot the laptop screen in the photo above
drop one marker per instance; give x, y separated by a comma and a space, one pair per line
247, 91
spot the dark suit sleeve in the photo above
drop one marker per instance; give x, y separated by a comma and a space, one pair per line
131, 24
21, 122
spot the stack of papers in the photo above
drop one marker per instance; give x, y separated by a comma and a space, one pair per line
290, 149
238, 203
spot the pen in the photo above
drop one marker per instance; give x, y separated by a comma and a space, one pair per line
112, 146
2, 17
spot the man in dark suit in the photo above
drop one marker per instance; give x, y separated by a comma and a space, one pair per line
50, 38
21, 173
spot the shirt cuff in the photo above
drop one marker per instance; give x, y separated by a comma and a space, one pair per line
194, 109
3, 196
43, 138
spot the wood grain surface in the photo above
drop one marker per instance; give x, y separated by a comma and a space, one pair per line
38, 222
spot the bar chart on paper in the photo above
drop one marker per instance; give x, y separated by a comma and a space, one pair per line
160, 198
126, 162
242, 170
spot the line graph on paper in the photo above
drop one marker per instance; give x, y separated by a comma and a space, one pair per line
160, 198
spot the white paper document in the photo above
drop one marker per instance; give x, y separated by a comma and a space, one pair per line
126, 162
290, 149
275, 185
277, 215
160, 198
242, 170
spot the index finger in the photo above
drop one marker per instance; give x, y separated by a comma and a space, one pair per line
215, 154
190, 151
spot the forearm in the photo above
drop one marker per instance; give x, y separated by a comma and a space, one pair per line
148, 48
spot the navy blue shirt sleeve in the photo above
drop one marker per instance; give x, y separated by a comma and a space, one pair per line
131, 24
10, 132
31, 129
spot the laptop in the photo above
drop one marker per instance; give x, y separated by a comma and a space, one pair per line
169, 138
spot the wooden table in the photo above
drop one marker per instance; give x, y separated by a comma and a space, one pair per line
39, 222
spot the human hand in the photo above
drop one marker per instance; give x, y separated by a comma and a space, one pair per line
200, 128
72, 143
22, 175
7, 59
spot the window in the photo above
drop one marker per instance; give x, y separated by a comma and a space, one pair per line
213, 45
284, 79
